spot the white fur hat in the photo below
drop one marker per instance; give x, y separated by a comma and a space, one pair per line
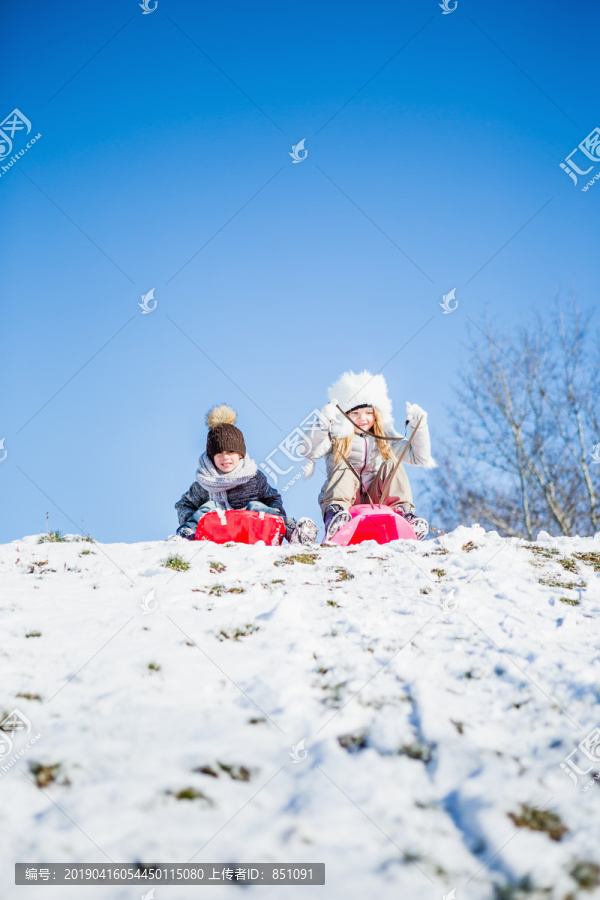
363, 389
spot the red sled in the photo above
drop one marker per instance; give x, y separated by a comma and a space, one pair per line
242, 526
373, 523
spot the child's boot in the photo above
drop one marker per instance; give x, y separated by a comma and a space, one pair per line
186, 532
304, 531
335, 517
418, 525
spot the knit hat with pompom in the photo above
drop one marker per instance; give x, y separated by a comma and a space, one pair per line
223, 436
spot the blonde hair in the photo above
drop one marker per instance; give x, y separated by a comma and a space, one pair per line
341, 446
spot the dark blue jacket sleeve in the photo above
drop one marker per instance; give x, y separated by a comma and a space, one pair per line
190, 502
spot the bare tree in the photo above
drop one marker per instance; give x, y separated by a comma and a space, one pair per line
527, 417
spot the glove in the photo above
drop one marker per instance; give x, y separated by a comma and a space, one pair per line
414, 413
339, 425
330, 411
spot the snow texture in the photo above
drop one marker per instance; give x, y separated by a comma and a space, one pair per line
437, 687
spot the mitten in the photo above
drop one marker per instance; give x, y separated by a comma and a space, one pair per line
414, 413
330, 412
339, 425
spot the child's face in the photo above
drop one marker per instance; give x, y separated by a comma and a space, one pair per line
226, 462
362, 417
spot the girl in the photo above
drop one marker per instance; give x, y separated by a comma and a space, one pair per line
359, 462
227, 478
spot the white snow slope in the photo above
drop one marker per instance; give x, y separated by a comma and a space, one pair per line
424, 727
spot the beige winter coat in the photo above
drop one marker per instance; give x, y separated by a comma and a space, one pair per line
366, 457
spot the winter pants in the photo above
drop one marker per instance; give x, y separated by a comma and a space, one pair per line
343, 488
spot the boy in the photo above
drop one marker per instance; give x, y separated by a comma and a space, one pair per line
227, 478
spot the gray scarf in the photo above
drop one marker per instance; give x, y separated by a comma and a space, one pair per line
217, 483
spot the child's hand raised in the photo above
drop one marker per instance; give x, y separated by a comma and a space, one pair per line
339, 425
414, 413
330, 411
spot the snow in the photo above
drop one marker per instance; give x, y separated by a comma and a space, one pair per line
430, 706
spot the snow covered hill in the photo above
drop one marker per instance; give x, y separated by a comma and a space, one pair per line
399, 713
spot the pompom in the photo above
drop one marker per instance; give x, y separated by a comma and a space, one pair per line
220, 415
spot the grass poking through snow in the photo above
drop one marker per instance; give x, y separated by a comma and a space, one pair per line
539, 820
308, 559
176, 563
52, 537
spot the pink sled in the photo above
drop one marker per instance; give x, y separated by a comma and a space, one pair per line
373, 523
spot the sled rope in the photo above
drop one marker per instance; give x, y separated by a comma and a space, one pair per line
353, 470
364, 490
386, 489
383, 437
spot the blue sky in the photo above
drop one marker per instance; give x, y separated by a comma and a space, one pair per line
434, 144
